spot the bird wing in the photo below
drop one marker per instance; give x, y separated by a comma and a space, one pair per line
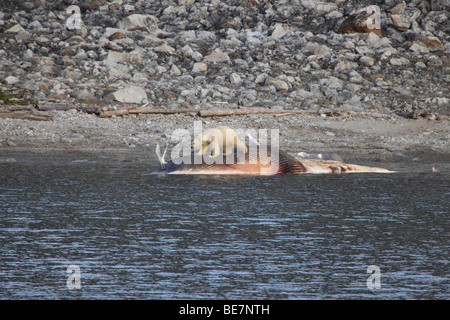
252, 140
158, 151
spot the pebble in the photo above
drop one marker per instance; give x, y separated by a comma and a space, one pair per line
399, 61
420, 65
279, 85
419, 48
199, 67
367, 61
235, 79
164, 49
11, 80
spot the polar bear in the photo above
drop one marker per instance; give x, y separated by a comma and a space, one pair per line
221, 139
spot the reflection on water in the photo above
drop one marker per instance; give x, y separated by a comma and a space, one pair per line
141, 236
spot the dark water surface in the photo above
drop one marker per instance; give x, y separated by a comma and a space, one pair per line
140, 236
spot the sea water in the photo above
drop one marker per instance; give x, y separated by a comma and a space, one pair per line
85, 229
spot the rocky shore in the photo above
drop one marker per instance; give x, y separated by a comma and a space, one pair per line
378, 88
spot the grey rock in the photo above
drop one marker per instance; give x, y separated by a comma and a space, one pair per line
160, 69
399, 61
355, 77
217, 56
279, 84
35, 25
131, 94
71, 73
331, 83
345, 66
11, 80
319, 7
400, 22
261, 78
199, 67
83, 94
92, 55
164, 49
235, 78
189, 52
398, 8
207, 36
301, 94
116, 63
279, 31
367, 61
23, 36
323, 51
373, 40
28, 55
352, 87
420, 65
15, 29
139, 22
365, 50
186, 78
189, 93
174, 70
419, 48
404, 20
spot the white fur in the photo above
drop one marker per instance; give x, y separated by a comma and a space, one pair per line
218, 139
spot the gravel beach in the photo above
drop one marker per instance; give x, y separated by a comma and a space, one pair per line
378, 94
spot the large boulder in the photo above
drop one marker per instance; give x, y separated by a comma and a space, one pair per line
143, 22
131, 94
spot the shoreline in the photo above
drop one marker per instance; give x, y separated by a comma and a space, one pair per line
133, 138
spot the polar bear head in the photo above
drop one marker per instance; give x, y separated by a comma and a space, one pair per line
219, 140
